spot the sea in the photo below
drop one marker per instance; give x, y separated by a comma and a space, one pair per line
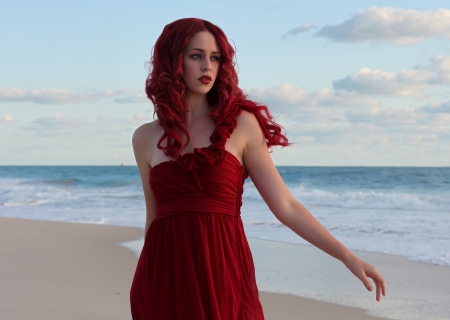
394, 210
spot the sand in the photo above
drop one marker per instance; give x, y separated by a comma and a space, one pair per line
415, 290
59, 270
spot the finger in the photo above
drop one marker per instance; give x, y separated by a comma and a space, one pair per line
380, 283
378, 290
366, 282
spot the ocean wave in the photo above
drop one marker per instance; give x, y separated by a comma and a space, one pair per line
118, 183
442, 259
361, 240
273, 224
69, 193
60, 182
362, 199
74, 182
26, 203
90, 221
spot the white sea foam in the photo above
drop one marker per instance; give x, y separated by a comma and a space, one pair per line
401, 224
25, 203
94, 221
361, 199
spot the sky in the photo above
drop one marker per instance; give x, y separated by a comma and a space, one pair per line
354, 83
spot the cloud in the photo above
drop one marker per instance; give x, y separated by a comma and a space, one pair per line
51, 96
376, 126
289, 95
311, 116
102, 117
440, 66
367, 81
402, 120
110, 132
59, 96
57, 124
8, 119
384, 116
138, 119
293, 32
441, 108
103, 124
404, 83
134, 98
400, 26
336, 117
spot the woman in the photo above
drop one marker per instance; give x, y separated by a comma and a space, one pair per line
193, 160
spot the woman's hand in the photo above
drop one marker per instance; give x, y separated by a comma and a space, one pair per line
363, 271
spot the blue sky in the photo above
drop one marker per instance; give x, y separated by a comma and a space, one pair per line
353, 82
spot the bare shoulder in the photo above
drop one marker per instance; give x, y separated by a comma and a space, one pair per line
247, 120
249, 128
146, 133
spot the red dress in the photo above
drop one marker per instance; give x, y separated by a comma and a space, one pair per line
196, 263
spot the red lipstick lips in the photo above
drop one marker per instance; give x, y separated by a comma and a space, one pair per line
205, 79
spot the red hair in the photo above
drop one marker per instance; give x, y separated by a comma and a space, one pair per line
165, 88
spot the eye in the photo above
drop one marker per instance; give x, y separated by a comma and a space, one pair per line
195, 56
215, 58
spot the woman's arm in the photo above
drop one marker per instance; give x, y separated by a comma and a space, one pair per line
141, 143
289, 211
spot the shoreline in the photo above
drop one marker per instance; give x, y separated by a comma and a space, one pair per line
85, 273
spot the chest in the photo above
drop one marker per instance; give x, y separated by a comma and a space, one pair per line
199, 137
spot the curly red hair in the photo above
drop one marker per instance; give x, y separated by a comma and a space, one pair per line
165, 88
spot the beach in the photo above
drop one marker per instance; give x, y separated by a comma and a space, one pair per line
60, 270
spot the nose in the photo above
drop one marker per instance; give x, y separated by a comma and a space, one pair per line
206, 65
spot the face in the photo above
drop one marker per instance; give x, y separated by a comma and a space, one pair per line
201, 63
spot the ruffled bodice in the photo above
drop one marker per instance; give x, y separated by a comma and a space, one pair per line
215, 153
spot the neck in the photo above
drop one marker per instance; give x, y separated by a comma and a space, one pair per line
198, 106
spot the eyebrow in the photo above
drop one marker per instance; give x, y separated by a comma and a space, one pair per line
201, 50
